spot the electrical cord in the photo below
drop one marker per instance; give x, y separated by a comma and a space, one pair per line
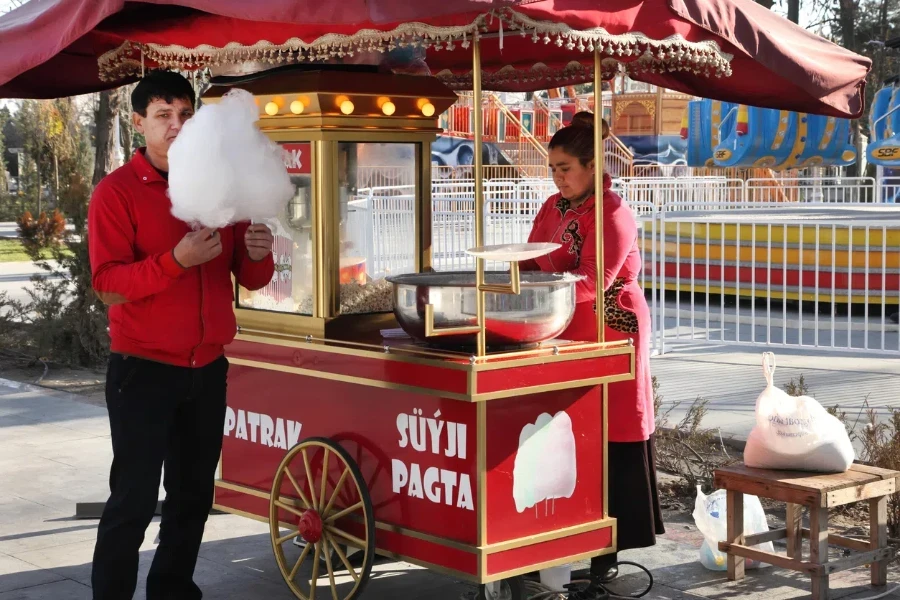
538, 591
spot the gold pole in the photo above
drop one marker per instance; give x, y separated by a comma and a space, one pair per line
598, 191
659, 112
481, 349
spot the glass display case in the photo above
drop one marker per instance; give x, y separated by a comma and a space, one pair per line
376, 224
376, 231
358, 151
291, 289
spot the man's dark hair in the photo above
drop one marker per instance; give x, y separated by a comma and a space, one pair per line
160, 85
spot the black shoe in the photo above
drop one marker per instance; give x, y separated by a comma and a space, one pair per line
592, 592
610, 574
895, 317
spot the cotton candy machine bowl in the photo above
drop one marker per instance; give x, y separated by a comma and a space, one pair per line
541, 312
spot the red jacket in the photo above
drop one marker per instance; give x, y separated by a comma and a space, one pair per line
159, 310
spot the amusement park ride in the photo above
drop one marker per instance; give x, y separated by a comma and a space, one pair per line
884, 126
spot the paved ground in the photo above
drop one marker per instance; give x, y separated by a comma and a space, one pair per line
731, 379
55, 451
15, 277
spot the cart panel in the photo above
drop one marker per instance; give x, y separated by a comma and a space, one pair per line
544, 462
452, 379
417, 453
533, 556
617, 366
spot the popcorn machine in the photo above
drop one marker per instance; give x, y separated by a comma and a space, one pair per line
346, 133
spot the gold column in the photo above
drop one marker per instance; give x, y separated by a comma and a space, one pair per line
319, 202
659, 112
423, 218
481, 348
326, 224
598, 191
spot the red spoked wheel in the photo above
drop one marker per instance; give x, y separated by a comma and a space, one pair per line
320, 496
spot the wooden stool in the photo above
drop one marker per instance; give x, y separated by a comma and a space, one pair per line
818, 493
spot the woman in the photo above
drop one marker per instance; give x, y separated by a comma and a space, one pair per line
567, 218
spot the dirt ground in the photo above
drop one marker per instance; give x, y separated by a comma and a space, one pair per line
86, 383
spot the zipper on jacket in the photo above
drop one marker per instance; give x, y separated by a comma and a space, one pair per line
202, 321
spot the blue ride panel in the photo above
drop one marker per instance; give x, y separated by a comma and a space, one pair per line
729, 135
828, 143
704, 120
885, 151
770, 141
880, 104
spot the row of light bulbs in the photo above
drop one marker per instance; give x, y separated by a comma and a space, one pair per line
346, 106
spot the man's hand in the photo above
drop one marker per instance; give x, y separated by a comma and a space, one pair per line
258, 240
198, 247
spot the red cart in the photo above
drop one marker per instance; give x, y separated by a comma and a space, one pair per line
483, 465
428, 459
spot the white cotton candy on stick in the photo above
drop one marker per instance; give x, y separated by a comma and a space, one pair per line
223, 169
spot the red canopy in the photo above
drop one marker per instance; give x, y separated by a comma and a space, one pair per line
733, 50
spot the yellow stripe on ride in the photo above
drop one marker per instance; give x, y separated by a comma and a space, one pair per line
875, 238
800, 139
776, 293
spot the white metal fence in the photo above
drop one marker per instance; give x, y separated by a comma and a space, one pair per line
889, 190
745, 278
724, 263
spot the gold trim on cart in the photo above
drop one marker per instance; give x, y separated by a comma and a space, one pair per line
464, 397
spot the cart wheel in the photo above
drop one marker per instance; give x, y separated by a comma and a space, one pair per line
328, 516
505, 589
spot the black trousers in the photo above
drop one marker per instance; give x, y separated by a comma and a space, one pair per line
158, 414
633, 498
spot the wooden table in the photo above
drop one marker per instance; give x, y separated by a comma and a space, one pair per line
817, 492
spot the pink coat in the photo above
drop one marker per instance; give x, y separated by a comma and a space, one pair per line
631, 416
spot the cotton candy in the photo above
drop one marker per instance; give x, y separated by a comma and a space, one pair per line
223, 169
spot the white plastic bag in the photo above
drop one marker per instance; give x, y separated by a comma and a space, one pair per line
795, 433
711, 517
223, 169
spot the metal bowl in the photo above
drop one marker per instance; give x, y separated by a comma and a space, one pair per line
542, 310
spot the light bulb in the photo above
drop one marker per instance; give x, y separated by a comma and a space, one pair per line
271, 109
428, 109
347, 107
297, 107
388, 108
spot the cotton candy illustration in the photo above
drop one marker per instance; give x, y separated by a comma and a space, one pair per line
545, 467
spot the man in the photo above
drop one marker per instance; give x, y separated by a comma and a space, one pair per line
171, 314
